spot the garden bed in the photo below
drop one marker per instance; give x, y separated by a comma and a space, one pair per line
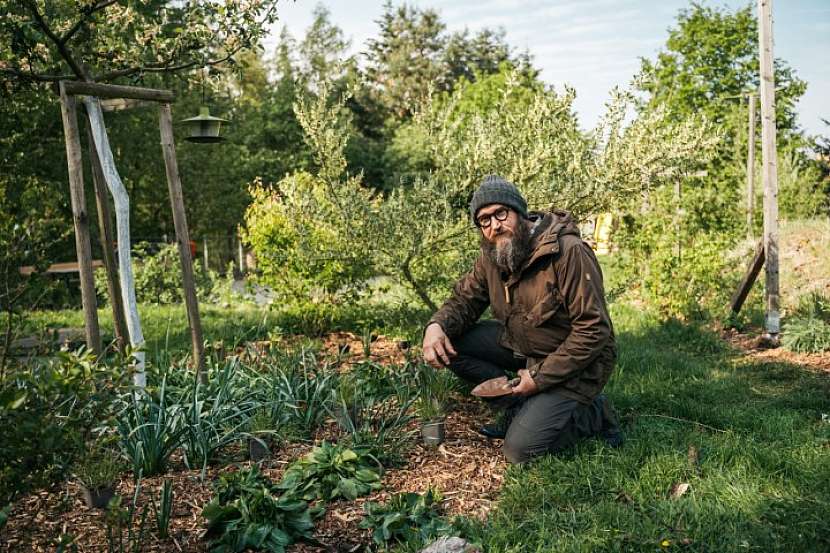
467, 469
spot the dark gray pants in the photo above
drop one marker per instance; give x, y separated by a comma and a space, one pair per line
546, 422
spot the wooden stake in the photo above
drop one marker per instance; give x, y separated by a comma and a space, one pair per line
751, 274
241, 256
122, 336
750, 169
182, 237
770, 167
205, 253
69, 114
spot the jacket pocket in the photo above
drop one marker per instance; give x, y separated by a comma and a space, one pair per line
545, 309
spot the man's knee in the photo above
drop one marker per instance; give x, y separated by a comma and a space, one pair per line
517, 448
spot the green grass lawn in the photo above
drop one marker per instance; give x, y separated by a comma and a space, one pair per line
165, 326
747, 437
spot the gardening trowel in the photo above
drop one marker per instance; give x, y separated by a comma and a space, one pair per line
496, 387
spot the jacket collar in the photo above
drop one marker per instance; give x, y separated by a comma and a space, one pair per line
554, 224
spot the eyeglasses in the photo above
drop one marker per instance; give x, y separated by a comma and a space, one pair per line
500, 214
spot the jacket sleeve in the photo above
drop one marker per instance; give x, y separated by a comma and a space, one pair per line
580, 282
469, 299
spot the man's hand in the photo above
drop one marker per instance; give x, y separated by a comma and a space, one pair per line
527, 387
437, 347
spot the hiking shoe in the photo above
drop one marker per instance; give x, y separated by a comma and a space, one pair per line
495, 431
611, 431
498, 430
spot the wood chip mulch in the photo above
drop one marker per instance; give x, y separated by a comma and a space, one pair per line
467, 469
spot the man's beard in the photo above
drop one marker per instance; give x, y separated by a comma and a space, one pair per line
508, 255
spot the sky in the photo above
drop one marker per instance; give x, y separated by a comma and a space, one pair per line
594, 45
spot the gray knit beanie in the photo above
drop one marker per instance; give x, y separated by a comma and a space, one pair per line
497, 190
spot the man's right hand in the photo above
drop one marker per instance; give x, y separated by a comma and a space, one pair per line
437, 347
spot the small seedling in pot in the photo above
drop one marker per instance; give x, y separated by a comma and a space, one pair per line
434, 389
97, 471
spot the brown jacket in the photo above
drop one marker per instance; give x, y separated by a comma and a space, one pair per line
553, 309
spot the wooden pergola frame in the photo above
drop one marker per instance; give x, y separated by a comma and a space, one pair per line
120, 282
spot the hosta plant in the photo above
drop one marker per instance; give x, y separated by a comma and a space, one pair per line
248, 513
405, 517
332, 471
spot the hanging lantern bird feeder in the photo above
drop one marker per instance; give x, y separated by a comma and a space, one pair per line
204, 128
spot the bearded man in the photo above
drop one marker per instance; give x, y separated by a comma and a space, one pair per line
551, 324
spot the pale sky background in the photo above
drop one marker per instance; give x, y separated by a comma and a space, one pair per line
594, 45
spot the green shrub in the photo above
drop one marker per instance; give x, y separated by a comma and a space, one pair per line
680, 254
158, 276
331, 471
296, 254
248, 513
48, 412
406, 517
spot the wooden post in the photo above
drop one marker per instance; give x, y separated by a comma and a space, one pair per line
750, 275
122, 336
750, 169
205, 253
69, 114
182, 237
241, 256
770, 167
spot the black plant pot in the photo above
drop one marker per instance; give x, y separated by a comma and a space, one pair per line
433, 433
343, 416
98, 498
257, 451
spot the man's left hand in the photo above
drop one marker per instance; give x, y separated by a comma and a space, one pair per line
527, 387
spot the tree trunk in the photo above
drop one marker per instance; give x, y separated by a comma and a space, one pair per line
419, 290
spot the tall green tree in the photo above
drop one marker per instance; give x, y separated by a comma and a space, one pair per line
405, 60
710, 59
324, 51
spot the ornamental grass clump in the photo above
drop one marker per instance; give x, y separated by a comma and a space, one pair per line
305, 393
150, 430
808, 330
216, 414
249, 513
332, 471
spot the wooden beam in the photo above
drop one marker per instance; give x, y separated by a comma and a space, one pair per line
122, 104
74, 88
69, 114
770, 167
182, 238
122, 336
739, 297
